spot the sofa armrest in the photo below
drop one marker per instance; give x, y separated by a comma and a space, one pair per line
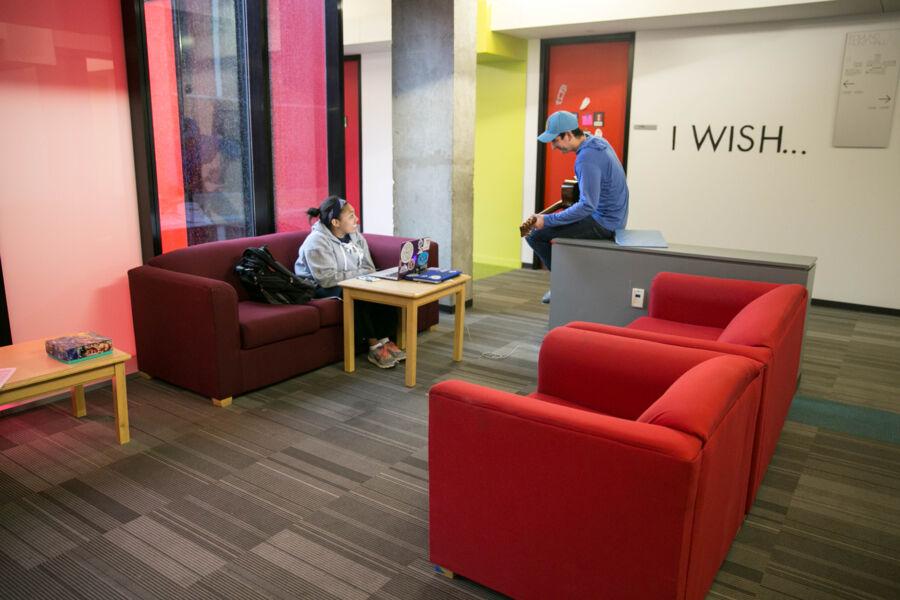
186, 330
699, 300
611, 374
506, 471
700, 399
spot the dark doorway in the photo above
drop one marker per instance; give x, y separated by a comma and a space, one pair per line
5, 333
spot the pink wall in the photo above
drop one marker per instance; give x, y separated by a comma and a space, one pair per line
68, 208
299, 109
352, 134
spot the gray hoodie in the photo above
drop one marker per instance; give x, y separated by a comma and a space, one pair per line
328, 260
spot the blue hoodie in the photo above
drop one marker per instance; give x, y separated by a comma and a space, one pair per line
601, 181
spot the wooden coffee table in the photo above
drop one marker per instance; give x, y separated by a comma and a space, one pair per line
36, 374
408, 296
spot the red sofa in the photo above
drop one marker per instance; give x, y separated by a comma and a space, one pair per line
623, 476
195, 327
762, 321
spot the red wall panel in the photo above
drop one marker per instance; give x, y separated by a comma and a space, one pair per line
299, 109
351, 132
166, 119
598, 71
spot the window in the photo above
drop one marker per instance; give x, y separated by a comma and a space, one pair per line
233, 106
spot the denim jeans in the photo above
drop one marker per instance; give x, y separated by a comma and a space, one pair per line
585, 229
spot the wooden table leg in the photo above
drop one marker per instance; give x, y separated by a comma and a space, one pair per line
349, 333
120, 400
412, 317
459, 323
78, 409
401, 329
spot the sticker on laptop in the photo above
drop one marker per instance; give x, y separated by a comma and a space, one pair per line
406, 252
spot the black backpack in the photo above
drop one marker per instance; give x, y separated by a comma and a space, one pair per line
267, 280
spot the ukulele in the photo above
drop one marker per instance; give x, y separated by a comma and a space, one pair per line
569, 193
526, 227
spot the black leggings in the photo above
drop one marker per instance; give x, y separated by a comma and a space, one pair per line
372, 320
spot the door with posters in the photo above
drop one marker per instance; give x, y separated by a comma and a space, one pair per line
590, 77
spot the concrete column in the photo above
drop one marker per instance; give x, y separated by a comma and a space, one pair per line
433, 65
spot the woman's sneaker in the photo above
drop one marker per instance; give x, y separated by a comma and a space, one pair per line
398, 354
381, 357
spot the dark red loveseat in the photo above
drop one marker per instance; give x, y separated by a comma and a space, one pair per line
195, 327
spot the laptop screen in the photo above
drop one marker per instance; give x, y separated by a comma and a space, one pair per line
414, 256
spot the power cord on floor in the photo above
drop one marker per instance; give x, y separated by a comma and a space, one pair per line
498, 355
490, 355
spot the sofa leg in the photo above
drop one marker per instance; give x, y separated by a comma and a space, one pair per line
222, 402
144, 375
443, 571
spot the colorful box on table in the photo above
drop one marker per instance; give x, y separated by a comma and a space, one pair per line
81, 346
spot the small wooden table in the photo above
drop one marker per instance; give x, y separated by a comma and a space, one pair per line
36, 374
408, 296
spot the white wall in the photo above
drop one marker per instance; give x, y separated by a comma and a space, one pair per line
367, 32
377, 148
542, 19
367, 23
841, 205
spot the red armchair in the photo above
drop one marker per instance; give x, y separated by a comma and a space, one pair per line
623, 476
762, 321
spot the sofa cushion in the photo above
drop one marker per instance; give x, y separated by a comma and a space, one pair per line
698, 400
331, 311
675, 328
762, 321
263, 324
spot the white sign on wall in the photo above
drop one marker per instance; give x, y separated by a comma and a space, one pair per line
867, 89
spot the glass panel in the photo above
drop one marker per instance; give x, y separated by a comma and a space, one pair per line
198, 87
299, 109
352, 136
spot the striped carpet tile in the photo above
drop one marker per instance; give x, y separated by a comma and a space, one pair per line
317, 487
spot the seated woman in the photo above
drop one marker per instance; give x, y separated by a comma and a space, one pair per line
334, 251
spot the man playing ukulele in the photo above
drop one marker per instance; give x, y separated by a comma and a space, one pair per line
602, 205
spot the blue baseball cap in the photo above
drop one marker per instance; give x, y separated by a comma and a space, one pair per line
559, 122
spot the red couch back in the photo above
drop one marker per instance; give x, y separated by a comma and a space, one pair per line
700, 300
216, 260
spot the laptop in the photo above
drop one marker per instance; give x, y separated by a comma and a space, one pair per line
413, 259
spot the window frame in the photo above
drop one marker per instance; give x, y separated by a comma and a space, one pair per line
256, 19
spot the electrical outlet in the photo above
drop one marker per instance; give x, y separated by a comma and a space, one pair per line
637, 297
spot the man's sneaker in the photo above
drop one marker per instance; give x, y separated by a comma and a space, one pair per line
398, 354
381, 357
546, 298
